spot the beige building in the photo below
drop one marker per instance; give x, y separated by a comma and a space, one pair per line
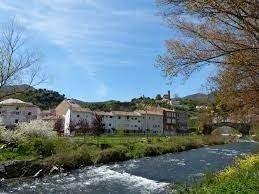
14, 111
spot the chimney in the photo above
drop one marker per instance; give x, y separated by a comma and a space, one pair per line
169, 97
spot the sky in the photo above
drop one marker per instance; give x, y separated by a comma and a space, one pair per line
97, 50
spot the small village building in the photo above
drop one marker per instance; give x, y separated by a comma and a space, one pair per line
14, 111
73, 114
108, 121
129, 122
174, 121
153, 120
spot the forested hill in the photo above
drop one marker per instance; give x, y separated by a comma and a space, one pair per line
48, 99
43, 98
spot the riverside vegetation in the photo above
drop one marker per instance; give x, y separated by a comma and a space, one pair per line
242, 177
37, 143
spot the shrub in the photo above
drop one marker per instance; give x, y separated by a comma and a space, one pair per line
148, 150
240, 178
8, 136
44, 147
111, 155
70, 160
36, 128
37, 146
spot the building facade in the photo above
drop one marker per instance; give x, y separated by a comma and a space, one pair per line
154, 121
14, 111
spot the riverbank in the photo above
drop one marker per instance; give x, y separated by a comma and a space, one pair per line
41, 156
242, 177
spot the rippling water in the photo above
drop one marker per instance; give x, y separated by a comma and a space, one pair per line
146, 175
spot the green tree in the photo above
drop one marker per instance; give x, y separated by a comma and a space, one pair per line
158, 97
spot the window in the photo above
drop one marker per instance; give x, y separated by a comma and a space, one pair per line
135, 125
139, 121
0, 112
110, 116
16, 121
135, 118
77, 116
110, 124
17, 108
29, 113
17, 113
119, 117
128, 117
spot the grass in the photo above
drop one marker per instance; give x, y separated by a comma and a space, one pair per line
240, 178
73, 152
131, 146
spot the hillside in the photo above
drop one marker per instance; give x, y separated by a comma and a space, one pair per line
48, 99
43, 98
200, 97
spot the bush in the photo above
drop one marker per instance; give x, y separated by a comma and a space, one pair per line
70, 160
111, 155
148, 150
7, 136
37, 146
36, 128
241, 178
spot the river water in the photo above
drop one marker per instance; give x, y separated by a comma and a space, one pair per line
146, 175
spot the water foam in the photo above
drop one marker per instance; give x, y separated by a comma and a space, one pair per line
104, 174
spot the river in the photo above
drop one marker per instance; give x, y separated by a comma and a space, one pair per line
146, 175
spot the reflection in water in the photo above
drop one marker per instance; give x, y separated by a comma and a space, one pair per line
146, 175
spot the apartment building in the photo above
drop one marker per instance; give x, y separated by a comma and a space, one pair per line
14, 111
154, 121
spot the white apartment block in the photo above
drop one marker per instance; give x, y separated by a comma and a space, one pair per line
14, 111
152, 120
156, 121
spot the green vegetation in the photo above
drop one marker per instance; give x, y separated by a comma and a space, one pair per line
241, 178
60, 150
43, 98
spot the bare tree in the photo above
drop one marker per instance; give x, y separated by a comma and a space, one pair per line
19, 64
97, 127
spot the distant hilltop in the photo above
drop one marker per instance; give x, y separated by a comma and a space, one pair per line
201, 97
49, 99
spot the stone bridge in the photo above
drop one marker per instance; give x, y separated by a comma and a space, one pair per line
243, 128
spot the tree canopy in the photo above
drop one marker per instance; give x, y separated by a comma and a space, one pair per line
220, 33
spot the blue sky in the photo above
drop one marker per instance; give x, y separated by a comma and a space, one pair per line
97, 50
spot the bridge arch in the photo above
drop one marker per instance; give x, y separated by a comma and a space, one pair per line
243, 128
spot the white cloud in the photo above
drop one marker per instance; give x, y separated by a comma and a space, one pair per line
78, 26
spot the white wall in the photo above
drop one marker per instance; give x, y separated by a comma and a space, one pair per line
130, 123
109, 122
67, 122
78, 116
153, 122
11, 114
